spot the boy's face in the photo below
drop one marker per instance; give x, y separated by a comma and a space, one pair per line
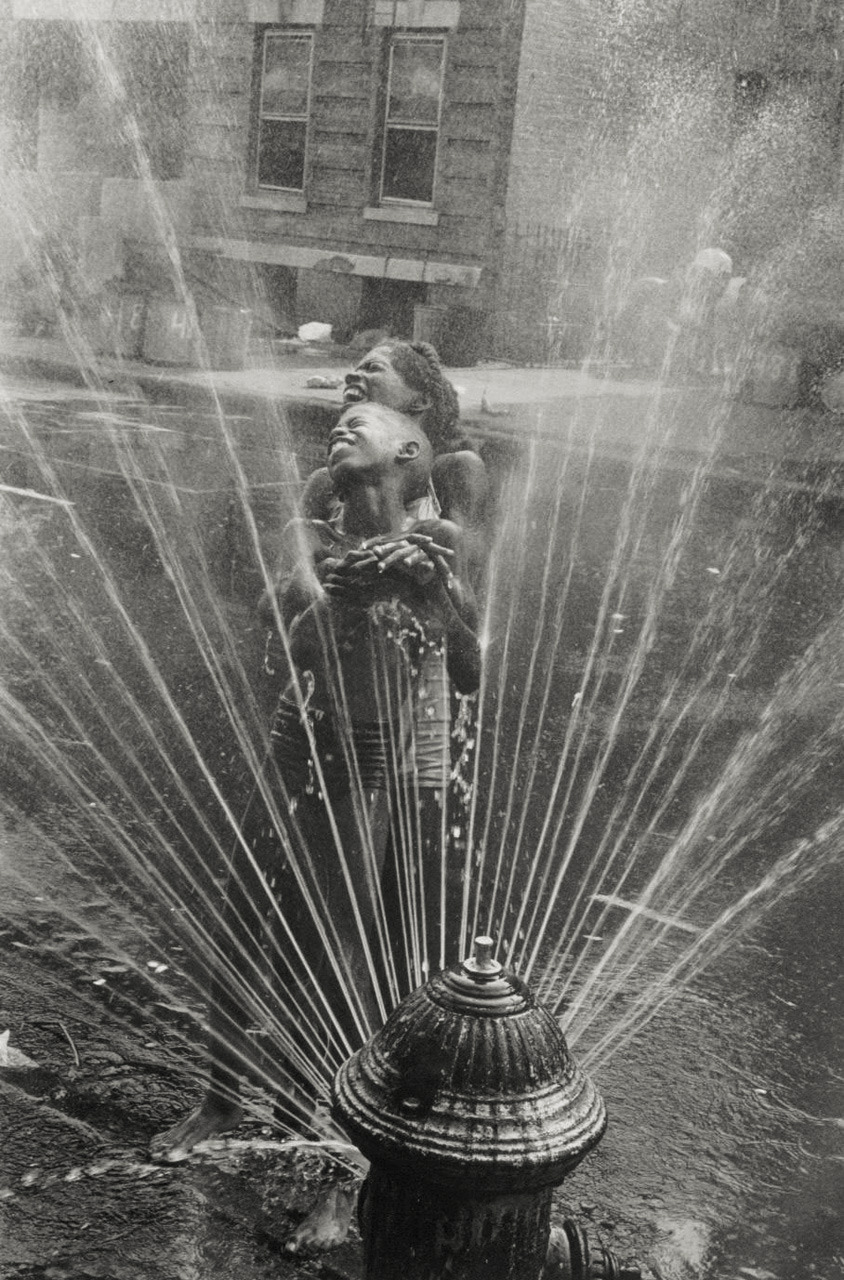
368, 438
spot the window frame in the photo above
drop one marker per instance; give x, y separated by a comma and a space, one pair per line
264, 35
385, 201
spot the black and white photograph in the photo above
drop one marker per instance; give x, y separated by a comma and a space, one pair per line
421, 640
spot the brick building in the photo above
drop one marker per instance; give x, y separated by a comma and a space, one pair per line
356, 151
482, 170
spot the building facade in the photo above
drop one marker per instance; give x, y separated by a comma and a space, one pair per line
470, 170
355, 151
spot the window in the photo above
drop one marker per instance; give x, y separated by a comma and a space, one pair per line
749, 91
283, 105
412, 119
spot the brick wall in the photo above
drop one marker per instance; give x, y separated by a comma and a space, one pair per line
629, 144
349, 61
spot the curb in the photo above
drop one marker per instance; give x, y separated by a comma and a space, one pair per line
311, 417
159, 386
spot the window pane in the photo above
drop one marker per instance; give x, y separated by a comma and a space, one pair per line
409, 158
284, 90
415, 81
281, 154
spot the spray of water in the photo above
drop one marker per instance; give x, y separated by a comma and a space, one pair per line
618, 634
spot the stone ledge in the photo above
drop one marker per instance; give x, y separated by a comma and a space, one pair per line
430, 271
420, 217
275, 202
306, 13
418, 15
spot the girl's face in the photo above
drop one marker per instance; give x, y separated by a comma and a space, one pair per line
376, 379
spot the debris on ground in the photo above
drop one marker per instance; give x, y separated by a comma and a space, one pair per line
314, 331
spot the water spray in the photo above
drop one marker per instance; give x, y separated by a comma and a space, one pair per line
471, 1110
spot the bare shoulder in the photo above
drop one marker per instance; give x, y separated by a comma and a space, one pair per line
302, 535
317, 495
461, 483
465, 463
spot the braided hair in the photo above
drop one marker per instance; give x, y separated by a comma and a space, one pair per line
419, 366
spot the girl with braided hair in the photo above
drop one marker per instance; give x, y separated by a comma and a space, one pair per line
408, 376
417, 366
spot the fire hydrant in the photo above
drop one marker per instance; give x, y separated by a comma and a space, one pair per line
471, 1110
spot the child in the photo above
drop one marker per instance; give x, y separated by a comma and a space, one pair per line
408, 376
375, 614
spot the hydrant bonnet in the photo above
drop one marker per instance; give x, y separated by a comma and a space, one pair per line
471, 1078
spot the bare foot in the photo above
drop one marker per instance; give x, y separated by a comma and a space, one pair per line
213, 1116
327, 1225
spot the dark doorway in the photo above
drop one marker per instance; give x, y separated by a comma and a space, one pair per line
388, 304
280, 293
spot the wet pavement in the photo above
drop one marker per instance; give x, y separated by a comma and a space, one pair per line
100, 1059
724, 1153
606, 408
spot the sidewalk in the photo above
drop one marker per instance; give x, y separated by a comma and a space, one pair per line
610, 415
497, 386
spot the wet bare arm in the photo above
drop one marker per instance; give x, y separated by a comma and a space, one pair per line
317, 496
462, 486
430, 561
297, 583
456, 604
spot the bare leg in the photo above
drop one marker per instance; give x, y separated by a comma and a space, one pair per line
327, 1225
220, 1109
214, 1115
238, 967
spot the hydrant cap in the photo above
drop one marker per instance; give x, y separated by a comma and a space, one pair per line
470, 1080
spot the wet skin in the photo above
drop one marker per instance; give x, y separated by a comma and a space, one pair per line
213, 1116
377, 379
459, 478
370, 452
374, 455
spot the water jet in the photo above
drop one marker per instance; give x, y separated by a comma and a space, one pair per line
471, 1110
